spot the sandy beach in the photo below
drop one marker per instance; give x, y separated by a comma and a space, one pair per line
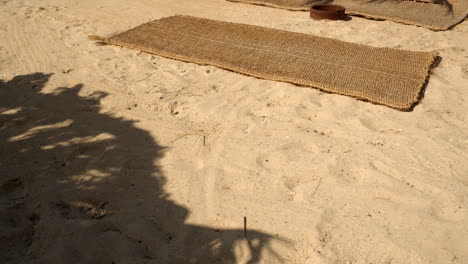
112, 155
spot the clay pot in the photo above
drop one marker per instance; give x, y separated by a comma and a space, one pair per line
332, 12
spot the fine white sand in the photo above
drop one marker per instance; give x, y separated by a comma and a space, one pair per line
111, 155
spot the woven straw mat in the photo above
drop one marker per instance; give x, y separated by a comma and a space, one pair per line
428, 15
385, 76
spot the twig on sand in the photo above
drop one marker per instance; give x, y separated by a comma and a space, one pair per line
383, 198
318, 185
188, 134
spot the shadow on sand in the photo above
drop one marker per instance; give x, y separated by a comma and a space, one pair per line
81, 186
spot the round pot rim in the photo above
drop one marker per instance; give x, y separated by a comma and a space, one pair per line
334, 9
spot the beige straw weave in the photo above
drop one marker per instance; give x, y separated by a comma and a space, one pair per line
428, 15
385, 76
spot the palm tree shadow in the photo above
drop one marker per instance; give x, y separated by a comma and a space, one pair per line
82, 186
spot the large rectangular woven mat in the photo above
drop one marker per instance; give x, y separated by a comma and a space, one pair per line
381, 75
429, 15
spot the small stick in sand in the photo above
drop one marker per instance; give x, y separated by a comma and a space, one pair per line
245, 226
318, 185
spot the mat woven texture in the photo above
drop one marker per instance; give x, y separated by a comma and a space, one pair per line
428, 15
385, 76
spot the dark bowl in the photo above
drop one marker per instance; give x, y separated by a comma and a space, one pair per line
332, 12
